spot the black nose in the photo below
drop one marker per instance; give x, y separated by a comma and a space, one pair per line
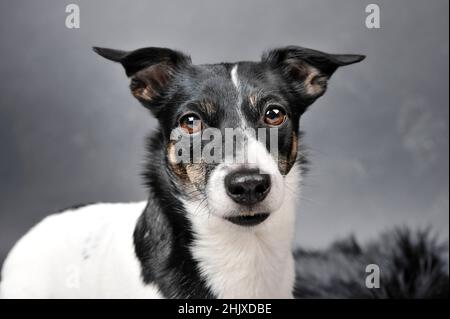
247, 187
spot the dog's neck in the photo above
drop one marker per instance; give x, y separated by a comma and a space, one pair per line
195, 254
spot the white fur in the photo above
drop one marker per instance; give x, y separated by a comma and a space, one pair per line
237, 85
85, 253
89, 252
256, 156
247, 262
234, 77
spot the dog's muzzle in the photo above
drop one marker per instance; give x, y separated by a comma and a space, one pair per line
247, 187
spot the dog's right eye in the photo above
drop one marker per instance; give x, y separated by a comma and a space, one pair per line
191, 123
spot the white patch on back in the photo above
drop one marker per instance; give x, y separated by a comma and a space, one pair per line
84, 253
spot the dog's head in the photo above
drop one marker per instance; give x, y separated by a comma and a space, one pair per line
230, 129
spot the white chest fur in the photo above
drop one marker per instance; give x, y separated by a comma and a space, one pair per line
89, 253
240, 262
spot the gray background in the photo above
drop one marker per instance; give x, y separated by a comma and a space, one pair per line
70, 132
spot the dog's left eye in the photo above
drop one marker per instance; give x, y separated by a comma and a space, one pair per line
191, 123
274, 116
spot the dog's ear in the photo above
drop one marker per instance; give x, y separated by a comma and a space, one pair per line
308, 70
151, 69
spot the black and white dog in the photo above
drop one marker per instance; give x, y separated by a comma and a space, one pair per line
210, 229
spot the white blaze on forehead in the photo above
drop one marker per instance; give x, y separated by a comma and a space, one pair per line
237, 85
234, 76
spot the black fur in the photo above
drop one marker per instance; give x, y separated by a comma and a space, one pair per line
412, 265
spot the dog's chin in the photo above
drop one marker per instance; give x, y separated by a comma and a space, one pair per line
247, 220
246, 216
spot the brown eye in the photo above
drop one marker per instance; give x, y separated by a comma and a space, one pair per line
274, 116
191, 123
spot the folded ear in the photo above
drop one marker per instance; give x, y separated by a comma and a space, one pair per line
308, 70
151, 69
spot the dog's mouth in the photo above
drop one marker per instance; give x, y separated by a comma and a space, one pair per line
248, 220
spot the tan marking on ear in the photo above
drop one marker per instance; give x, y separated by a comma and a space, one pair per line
253, 98
315, 82
145, 94
207, 107
147, 83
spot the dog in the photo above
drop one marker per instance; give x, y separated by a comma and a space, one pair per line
216, 228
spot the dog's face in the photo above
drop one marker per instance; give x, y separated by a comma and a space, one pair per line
231, 130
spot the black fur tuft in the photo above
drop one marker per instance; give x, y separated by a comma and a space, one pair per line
413, 265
